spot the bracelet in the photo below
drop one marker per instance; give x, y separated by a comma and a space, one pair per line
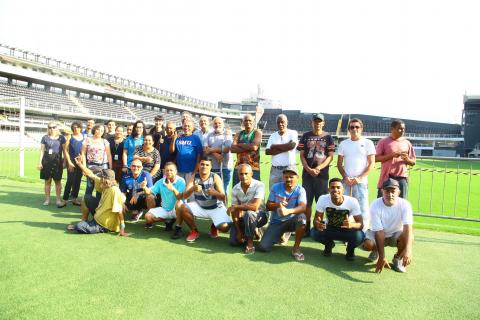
122, 225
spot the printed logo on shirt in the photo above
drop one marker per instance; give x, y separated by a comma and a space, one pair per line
336, 216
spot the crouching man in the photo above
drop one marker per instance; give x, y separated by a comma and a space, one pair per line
247, 209
338, 225
170, 188
392, 220
287, 202
208, 193
109, 212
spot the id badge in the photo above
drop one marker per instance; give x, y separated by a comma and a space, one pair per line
50, 151
115, 157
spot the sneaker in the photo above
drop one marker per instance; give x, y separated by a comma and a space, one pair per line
350, 256
136, 215
373, 256
213, 231
327, 252
177, 233
148, 226
398, 264
61, 203
192, 236
169, 225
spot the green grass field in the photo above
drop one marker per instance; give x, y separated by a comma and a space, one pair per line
48, 273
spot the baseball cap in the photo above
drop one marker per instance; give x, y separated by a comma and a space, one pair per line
390, 183
291, 169
318, 116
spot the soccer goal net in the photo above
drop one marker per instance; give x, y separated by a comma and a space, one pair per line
12, 136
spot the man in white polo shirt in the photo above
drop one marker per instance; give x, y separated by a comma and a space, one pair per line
281, 146
392, 220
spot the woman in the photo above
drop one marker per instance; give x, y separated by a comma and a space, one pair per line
116, 149
96, 154
74, 174
131, 142
149, 156
50, 163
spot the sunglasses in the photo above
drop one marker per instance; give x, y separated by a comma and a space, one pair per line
354, 127
134, 166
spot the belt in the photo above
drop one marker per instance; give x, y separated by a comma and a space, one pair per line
280, 167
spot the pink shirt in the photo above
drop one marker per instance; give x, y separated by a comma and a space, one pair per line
396, 166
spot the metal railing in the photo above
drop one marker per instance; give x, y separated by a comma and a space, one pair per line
446, 187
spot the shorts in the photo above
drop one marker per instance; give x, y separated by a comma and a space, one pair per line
141, 203
388, 242
218, 215
161, 213
314, 187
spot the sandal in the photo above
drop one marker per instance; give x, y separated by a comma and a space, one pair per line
61, 204
249, 250
298, 256
46, 202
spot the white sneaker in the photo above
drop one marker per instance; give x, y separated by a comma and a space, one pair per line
398, 265
373, 256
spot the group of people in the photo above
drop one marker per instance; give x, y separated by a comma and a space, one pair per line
177, 174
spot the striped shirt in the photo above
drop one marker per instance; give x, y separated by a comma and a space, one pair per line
203, 199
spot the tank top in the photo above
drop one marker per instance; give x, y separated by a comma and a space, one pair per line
203, 199
250, 157
75, 147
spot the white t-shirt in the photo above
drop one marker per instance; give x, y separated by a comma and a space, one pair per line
390, 219
285, 158
336, 214
355, 154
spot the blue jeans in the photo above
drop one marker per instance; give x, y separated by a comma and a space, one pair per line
353, 237
226, 176
360, 192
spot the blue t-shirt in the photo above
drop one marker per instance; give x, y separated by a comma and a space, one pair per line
129, 183
188, 149
278, 194
164, 149
168, 197
75, 148
130, 144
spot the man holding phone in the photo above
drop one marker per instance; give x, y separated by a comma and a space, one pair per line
343, 220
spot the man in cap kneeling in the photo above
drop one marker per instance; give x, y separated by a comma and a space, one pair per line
108, 215
391, 225
287, 202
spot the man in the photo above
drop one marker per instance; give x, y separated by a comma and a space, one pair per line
163, 146
88, 128
281, 146
395, 153
189, 150
217, 148
392, 220
186, 116
287, 202
129, 130
110, 130
133, 185
157, 131
204, 124
207, 189
316, 152
108, 211
338, 225
247, 209
246, 144
171, 188
356, 158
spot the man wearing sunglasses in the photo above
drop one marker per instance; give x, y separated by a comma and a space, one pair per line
133, 185
356, 158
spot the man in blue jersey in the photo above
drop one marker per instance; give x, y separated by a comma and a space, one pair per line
207, 190
171, 188
133, 185
287, 202
188, 148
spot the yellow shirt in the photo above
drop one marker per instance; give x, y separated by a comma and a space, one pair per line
110, 205
98, 184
